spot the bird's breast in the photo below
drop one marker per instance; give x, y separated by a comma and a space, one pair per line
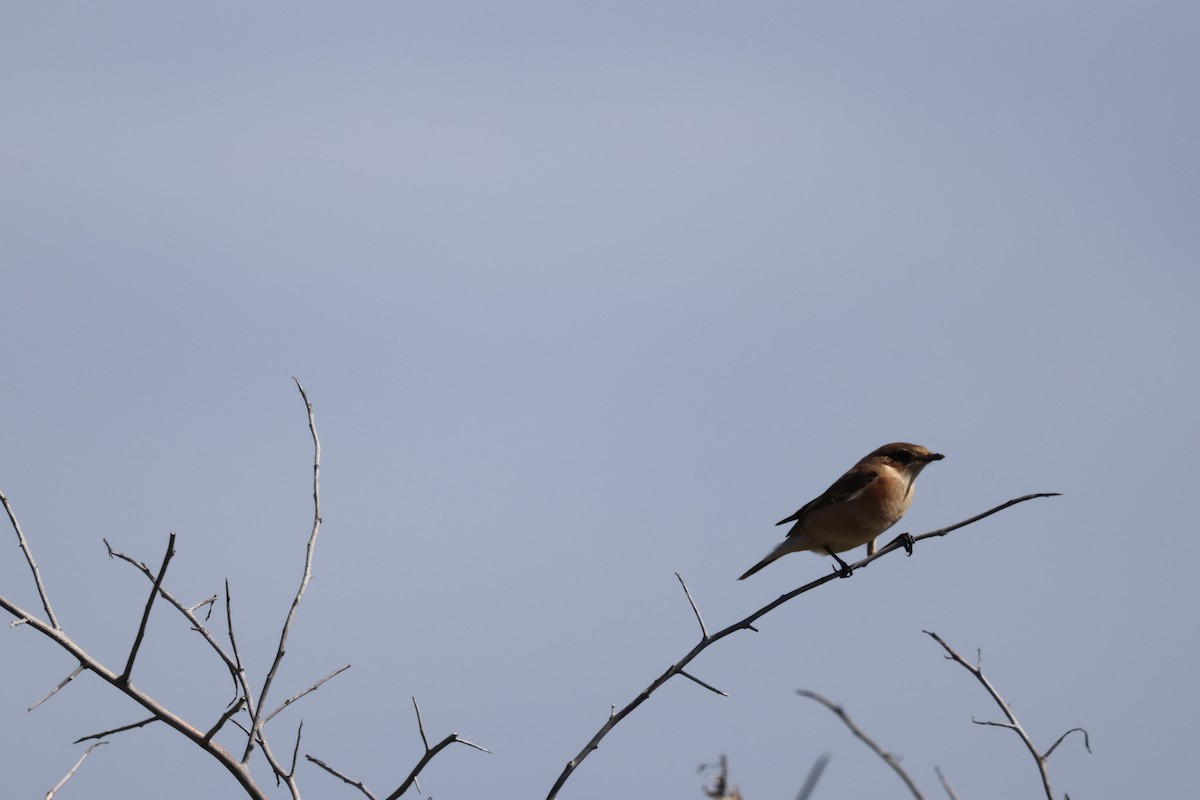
859, 519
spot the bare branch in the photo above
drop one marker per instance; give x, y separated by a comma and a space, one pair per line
1086, 743
411, 780
286, 777
945, 783
420, 724
309, 690
258, 721
748, 624
692, 677
111, 731
160, 712
1013, 723
984, 515
356, 784
33, 567
296, 749
814, 775
210, 602
888, 758
50, 794
137, 642
430, 752
238, 768
187, 611
235, 708
239, 672
696, 611
74, 674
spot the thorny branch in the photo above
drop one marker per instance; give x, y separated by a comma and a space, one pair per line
141, 632
258, 720
71, 773
159, 713
945, 783
1013, 724
428, 756
131, 726
888, 758
33, 567
903, 541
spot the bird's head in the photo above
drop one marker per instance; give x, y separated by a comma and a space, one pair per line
905, 457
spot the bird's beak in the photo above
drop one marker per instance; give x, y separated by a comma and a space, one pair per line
934, 457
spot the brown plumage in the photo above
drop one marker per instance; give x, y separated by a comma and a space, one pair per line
870, 498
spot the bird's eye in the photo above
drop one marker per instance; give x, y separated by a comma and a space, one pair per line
903, 456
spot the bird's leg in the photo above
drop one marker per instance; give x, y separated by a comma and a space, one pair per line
845, 570
871, 548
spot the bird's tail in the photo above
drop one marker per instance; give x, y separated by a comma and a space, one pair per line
771, 556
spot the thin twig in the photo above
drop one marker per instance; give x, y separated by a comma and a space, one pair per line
33, 567
814, 775
237, 767
356, 784
888, 758
420, 724
258, 720
74, 674
209, 602
309, 690
50, 794
692, 677
945, 783
1013, 723
187, 611
429, 756
111, 731
239, 672
137, 642
239, 771
296, 749
235, 708
748, 624
1087, 744
696, 611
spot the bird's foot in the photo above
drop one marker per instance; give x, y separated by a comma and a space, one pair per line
906, 541
844, 570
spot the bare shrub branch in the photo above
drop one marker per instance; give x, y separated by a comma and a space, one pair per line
33, 567
131, 726
945, 783
814, 775
228, 715
888, 758
1013, 723
309, 690
160, 713
430, 752
141, 632
411, 780
71, 773
356, 784
258, 720
692, 603
74, 674
903, 541
189, 612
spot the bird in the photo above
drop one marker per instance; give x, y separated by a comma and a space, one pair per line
870, 498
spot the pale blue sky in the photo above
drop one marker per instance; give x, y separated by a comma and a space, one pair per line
585, 296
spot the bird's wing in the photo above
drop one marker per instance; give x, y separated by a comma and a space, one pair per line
843, 489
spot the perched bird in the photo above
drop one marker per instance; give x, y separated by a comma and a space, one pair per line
859, 506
